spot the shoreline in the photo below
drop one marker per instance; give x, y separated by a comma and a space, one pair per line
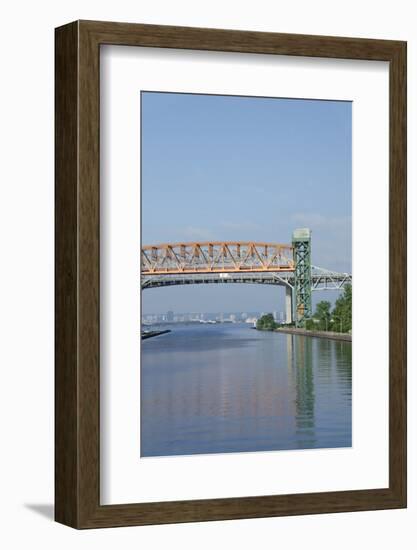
153, 333
317, 333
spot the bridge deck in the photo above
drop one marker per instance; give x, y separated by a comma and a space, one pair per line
322, 279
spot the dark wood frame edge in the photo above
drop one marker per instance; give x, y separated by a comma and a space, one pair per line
77, 359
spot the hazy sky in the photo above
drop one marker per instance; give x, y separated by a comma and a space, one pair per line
236, 168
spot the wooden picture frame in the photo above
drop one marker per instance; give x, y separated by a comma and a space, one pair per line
77, 374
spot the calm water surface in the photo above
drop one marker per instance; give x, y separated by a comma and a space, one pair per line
229, 388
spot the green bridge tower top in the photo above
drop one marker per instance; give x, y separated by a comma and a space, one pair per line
301, 240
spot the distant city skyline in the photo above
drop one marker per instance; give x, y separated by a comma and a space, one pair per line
249, 317
236, 168
170, 315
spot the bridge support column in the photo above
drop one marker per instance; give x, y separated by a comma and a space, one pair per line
288, 304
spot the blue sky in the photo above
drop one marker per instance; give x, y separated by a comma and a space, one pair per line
238, 168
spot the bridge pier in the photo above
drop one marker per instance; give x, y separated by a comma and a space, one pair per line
288, 304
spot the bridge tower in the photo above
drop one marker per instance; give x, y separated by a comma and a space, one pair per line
301, 241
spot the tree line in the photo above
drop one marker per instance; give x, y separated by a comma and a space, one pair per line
337, 320
324, 318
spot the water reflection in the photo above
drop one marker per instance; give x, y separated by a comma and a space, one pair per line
230, 388
304, 392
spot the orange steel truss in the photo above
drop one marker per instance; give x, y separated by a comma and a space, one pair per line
216, 257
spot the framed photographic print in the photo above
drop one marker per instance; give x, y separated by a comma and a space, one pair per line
230, 274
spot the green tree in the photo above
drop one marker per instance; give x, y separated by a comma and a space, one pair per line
311, 324
266, 322
323, 315
342, 313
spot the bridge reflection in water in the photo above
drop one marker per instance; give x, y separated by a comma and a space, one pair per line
228, 388
300, 363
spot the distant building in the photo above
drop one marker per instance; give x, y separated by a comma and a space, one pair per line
251, 320
170, 316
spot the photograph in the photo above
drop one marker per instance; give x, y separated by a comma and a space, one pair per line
246, 274
205, 206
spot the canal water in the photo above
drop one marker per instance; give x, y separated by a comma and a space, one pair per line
229, 388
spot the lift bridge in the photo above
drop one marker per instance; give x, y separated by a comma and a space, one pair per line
244, 262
